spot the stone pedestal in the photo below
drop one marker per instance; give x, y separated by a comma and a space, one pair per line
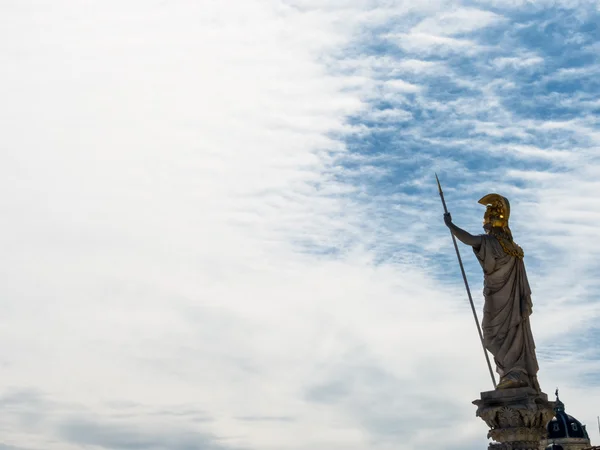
517, 417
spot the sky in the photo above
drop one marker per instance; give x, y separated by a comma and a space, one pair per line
221, 228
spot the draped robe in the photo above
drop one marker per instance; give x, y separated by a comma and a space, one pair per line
506, 327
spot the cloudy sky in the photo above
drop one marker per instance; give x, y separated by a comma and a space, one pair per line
221, 230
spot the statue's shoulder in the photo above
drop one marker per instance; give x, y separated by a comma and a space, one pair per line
502, 247
492, 243
489, 238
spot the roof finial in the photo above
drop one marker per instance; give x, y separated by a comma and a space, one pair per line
558, 406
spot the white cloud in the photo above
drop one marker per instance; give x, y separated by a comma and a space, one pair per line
402, 86
437, 34
162, 163
520, 62
457, 21
425, 43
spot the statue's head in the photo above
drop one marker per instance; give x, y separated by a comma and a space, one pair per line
496, 214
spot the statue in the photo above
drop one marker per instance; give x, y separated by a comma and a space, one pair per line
506, 327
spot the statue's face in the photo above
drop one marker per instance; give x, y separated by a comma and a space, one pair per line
494, 217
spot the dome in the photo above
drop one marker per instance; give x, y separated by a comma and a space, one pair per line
564, 426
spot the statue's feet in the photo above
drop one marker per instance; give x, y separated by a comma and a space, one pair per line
512, 380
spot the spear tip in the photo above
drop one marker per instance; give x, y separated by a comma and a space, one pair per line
438, 183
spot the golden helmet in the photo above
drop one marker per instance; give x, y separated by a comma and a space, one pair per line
497, 211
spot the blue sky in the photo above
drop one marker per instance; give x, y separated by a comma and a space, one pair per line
221, 228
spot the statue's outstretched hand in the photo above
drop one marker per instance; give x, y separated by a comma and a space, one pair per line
447, 219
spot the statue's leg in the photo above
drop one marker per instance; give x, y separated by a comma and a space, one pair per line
515, 358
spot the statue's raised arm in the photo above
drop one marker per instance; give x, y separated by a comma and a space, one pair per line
462, 235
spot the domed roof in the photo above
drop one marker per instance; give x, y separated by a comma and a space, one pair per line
563, 425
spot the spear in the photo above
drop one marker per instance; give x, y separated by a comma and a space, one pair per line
462, 269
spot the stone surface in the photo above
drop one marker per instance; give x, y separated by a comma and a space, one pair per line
517, 417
